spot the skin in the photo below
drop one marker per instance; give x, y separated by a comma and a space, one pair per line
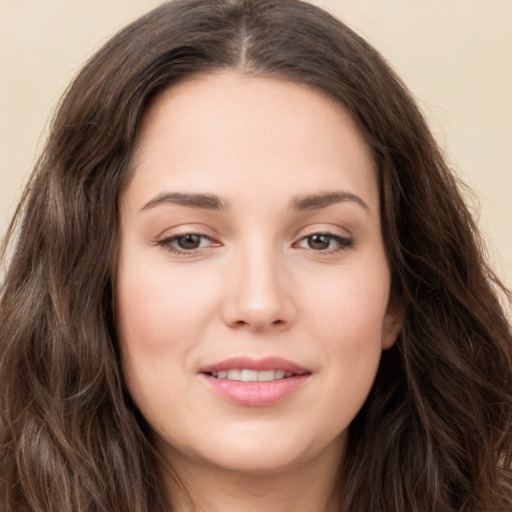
259, 284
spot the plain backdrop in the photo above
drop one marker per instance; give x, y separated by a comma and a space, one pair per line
455, 56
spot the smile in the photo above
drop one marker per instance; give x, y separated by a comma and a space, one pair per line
249, 382
246, 375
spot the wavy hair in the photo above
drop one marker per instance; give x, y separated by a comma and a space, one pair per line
435, 433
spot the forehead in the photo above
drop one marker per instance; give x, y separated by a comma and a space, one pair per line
226, 130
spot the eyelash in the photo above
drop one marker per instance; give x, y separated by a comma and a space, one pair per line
170, 243
343, 242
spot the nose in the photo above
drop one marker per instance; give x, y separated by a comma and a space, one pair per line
258, 294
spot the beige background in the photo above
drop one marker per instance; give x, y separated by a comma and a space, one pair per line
455, 55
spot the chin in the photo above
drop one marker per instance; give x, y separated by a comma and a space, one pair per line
260, 460
259, 451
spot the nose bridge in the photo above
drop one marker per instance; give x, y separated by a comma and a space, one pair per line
258, 296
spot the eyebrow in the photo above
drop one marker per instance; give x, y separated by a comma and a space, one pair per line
203, 201
214, 202
325, 199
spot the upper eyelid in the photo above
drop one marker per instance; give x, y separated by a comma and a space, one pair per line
187, 229
211, 234
323, 229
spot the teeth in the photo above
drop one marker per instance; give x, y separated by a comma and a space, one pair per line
232, 375
266, 376
249, 376
252, 375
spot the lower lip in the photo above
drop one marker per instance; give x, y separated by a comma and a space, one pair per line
256, 394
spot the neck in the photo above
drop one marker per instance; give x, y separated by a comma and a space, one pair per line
309, 487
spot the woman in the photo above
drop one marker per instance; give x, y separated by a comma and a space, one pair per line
244, 279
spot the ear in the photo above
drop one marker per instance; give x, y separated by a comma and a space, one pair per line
392, 323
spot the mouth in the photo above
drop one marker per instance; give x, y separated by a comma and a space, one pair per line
255, 382
246, 375
247, 369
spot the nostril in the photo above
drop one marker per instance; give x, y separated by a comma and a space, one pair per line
244, 323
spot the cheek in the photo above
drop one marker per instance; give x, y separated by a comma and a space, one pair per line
157, 306
347, 323
351, 306
353, 343
159, 318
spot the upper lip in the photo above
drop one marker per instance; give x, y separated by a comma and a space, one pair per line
248, 363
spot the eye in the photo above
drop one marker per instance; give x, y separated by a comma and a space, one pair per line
187, 243
324, 242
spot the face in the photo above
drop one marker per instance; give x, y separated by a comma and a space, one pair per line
252, 286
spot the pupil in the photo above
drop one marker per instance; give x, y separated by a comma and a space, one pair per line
189, 241
318, 242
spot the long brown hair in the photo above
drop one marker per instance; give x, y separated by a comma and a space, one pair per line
436, 431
